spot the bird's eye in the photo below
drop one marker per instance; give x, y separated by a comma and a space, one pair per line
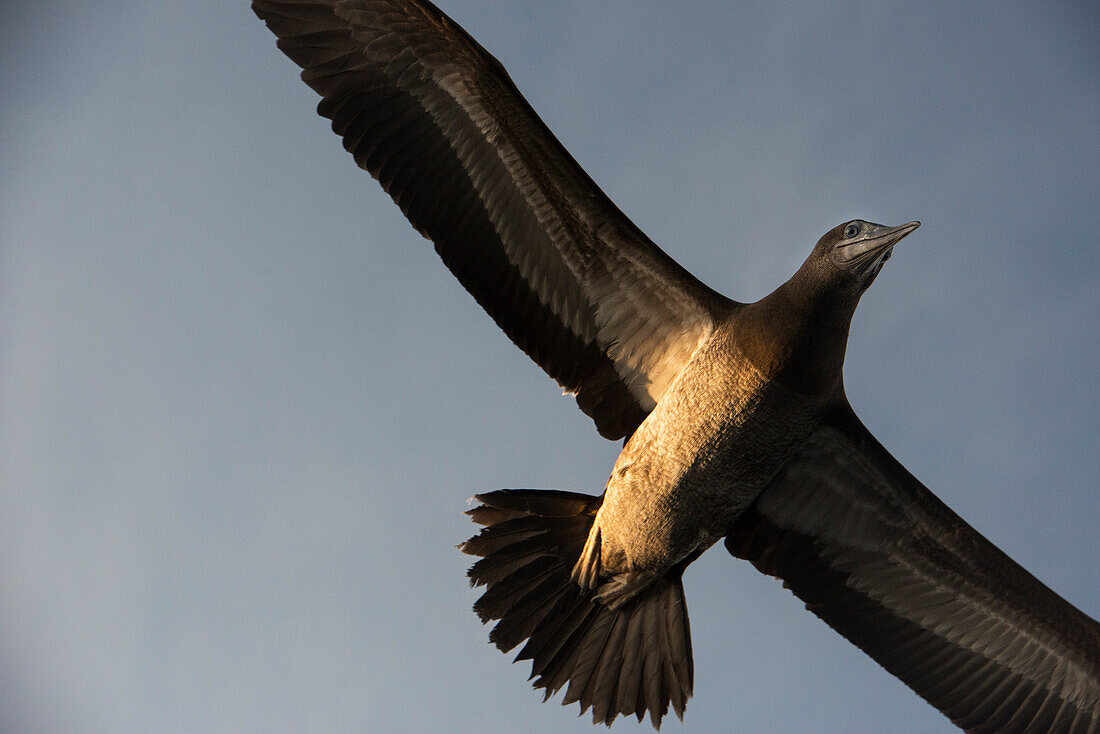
851, 231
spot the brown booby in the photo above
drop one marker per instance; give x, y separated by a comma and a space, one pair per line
734, 416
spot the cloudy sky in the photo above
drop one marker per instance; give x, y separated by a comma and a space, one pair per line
242, 405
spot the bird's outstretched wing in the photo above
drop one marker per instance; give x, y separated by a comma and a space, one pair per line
565, 274
878, 557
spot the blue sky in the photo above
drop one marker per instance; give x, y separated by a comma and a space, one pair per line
242, 404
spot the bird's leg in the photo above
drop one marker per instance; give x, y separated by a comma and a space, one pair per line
586, 571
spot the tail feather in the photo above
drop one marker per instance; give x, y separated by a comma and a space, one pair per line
629, 660
630, 676
653, 677
514, 590
521, 621
678, 634
590, 647
604, 679
495, 568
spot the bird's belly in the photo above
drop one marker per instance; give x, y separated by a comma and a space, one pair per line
697, 462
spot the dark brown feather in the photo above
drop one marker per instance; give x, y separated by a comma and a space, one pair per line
435, 118
630, 660
887, 565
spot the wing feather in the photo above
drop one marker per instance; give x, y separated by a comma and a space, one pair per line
878, 557
436, 119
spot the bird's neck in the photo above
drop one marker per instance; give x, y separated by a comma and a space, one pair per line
797, 336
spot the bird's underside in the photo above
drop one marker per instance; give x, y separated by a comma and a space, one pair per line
734, 415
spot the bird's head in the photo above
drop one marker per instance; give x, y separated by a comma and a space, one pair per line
857, 250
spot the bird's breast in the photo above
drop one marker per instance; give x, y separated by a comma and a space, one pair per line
710, 446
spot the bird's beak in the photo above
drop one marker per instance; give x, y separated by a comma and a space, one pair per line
872, 248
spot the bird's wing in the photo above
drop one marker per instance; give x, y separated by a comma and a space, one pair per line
562, 271
886, 564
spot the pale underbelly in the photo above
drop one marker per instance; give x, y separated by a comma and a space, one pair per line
682, 480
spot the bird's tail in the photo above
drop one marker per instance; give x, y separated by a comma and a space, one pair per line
628, 660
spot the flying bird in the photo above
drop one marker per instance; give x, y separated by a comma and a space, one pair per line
734, 418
